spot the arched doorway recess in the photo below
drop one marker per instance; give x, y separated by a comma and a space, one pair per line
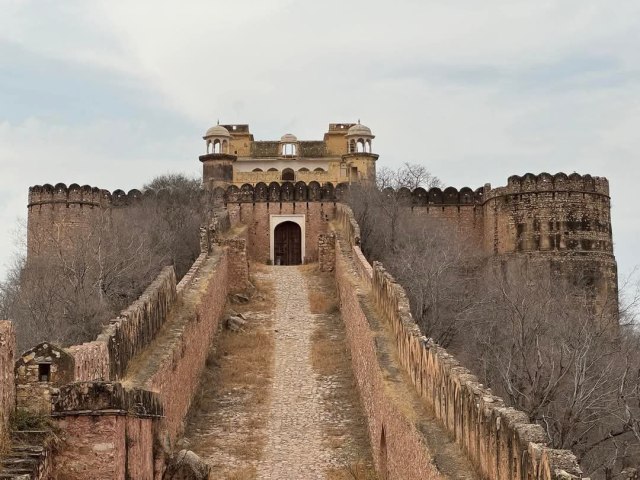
287, 244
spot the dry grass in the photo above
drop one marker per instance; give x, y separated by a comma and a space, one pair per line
228, 417
355, 471
331, 361
244, 473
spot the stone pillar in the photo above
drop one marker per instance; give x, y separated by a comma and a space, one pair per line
327, 252
7, 382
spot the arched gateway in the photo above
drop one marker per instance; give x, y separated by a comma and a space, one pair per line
287, 244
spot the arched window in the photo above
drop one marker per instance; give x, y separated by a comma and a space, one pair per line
257, 170
288, 175
360, 145
319, 170
368, 146
216, 146
289, 149
352, 146
272, 170
303, 169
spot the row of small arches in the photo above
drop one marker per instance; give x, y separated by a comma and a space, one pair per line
313, 191
288, 175
282, 192
360, 145
217, 146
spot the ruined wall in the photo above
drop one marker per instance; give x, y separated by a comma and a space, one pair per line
256, 217
499, 440
38, 373
238, 264
175, 377
137, 325
107, 432
7, 386
111, 432
91, 361
399, 450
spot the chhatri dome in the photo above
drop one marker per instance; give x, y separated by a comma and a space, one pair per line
217, 131
288, 138
359, 130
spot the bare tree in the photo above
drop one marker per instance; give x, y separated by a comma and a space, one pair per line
67, 295
409, 175
537, 339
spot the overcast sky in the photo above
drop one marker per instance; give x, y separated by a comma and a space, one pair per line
112, 93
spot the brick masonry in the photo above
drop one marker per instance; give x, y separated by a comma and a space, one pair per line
107, 432
256, 217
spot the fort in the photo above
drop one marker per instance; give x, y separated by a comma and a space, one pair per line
283, 203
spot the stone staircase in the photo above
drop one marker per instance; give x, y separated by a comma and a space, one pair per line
29, 456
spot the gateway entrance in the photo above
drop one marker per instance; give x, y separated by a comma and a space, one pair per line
287, 244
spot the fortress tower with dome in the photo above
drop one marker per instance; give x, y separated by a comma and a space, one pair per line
286, 192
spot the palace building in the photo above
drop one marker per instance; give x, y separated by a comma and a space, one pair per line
233, 157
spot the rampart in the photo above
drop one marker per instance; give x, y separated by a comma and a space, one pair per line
499, 441
175, 372
399, 449
107, 357
113, 425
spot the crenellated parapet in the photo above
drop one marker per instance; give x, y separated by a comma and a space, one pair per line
328, 192
80, 195
282, 192
545, 182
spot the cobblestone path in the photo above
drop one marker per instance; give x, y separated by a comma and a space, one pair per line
294, 448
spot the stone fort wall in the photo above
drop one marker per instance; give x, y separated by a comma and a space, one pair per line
499, 441
108, 432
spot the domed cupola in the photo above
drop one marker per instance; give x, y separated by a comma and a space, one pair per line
217, 139
289, 145
359, 138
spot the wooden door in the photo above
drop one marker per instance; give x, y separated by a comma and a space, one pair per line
288, 244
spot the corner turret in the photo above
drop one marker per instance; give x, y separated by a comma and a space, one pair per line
359, 161
217, 163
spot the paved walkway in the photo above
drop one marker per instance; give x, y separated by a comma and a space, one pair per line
294, 447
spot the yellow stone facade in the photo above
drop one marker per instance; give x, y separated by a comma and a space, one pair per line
233, 157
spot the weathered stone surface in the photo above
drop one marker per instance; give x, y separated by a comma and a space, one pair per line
234, 323
38, 372
186, 465
96, 398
